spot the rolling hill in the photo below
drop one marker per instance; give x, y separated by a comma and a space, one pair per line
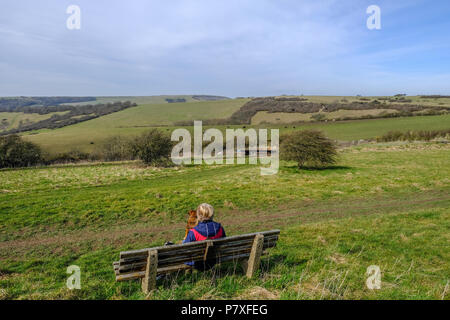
339, 117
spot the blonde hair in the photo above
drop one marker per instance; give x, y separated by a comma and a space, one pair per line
205, 212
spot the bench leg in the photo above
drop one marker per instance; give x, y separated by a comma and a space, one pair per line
255, 255
149, 281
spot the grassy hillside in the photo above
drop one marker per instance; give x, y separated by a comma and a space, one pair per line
165, 114
367, 129
81, 135
153, 109
385, 205
423, 100
130, 122
264, 117
11, 120
286, 109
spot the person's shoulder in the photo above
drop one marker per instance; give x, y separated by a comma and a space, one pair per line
190, 237
218, 224
200, 228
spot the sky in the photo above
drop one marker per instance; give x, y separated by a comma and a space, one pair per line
224, 47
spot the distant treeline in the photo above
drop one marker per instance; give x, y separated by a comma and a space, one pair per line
19, 104
209, 98
197, 97
175, 100
397, 98
434, 97
418, 135
74, 115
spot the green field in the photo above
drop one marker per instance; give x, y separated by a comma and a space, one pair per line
274, 110
164, 114
80, 136
414, 99
154, 111
287, 118
13, 119
151, 111
382, 204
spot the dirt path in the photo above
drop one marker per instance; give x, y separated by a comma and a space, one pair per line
234, 221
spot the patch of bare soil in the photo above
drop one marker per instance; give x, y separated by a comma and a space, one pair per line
259, 293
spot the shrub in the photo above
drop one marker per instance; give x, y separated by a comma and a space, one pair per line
116, 149
318, 117
308, 148
15, 152
420, 135
391, 136
73, 156
152, 147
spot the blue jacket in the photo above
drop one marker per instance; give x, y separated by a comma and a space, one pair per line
205, 228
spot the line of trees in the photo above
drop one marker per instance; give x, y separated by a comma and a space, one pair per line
308, 148
74, 115
153, 148
301, 105
418, 135
18, 104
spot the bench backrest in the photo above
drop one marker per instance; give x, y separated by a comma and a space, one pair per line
132, 264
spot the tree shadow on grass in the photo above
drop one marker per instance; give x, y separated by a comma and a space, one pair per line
297, 169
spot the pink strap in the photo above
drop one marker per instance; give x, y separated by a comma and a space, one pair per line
200, 237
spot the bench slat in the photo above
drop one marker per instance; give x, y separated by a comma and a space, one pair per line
191, 251
132, 264
141, 265
132, 253
220, 252
141, 274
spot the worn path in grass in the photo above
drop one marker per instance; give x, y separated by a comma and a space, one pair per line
237, 221
385, 204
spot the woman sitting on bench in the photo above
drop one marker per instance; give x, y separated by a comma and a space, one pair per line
206, 229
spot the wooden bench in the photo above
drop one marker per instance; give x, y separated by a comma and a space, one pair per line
147, 264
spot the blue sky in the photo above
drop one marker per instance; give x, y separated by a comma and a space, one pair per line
224, 47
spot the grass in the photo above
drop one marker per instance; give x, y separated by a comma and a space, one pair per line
153, 111
81, 135
131, 121
286, 118
328, 260
164, 114
369, 129
385, 204
14, 118
414, 100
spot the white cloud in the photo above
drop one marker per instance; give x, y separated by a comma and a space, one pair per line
225, 47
